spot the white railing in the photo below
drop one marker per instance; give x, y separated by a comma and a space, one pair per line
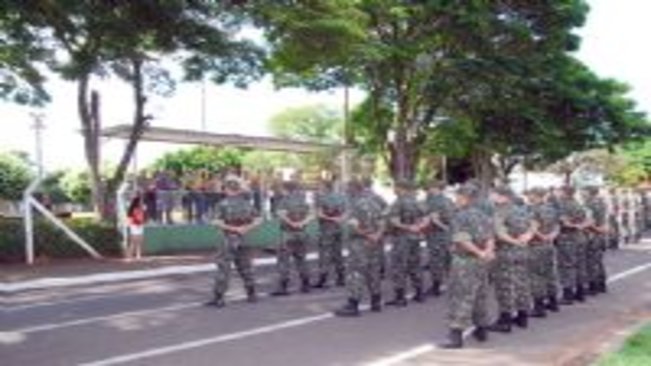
29, 204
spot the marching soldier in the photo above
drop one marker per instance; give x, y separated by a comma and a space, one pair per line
331, 210
367, 186
472, 250
440, 210
294, 215
235, 217
407, 217
613, 219
363, 272
514, 230
543, 267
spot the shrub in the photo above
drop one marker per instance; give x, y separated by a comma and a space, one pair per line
51, 242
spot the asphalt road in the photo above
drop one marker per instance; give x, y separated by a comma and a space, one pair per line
162, 322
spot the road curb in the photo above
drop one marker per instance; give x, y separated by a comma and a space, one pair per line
121, 276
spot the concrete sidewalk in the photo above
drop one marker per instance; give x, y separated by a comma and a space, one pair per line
87, 272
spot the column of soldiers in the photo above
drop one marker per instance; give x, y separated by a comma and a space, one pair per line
535, 252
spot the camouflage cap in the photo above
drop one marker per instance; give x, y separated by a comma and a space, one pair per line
232, 182
505, 191
437, 184
291, 186
538, 192
469, 190
592, 190
406, 184
568, 190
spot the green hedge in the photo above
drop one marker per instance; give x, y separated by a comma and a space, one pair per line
51, 242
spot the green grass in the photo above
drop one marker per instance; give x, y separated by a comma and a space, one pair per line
636, 351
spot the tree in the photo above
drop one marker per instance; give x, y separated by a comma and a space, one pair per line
15, 176
422, 63
21, 57
315, 123
200, 158
127, 39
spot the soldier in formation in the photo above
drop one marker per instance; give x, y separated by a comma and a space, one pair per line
235, 216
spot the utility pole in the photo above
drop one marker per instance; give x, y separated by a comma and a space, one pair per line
38, 126
203, 105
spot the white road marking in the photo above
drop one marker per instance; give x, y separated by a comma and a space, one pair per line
208, 341
418, 351
15, 308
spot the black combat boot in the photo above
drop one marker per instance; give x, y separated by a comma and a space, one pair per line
419, 296
568, 296
480, 334
400, 300
502, 325
376, 303
579, 294
305, 285
341, 279
282, 289
435, 290
322, 282
591, 289
217, 301
522, 319
538, 309
455, 340
552, 304
351, 309
603, 286
251, 295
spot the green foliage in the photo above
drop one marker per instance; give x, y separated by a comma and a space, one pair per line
50, 242
199, 158
77, 186
15, 176
636, 351
316, 123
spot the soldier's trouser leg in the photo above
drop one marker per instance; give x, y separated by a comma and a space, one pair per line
283, 258
551, 271
520, 278
581, 260
468, 293
538, 269
374, 269
437, 246
338, 255
567, 269
399, 260
223, 259
503, 280
326, 241
356, 261
244, 267
414, 267
299, 253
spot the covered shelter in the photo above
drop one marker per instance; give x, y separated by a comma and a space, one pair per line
171, 238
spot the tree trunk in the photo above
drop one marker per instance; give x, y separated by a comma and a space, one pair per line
483, 168
139, 123
403, 158
90, 127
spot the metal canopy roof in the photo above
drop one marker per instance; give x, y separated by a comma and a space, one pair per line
177, 136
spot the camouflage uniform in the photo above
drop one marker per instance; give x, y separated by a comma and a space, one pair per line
597, 243
613, 221
571, 244
363, 272
384, 207
438, 239
406, 255
331, 236
510, 271
468, 287
543, 267
294, 241
234, 211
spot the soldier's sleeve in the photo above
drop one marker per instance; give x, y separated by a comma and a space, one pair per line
394, 211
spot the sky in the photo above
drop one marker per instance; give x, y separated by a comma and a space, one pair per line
614, 45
